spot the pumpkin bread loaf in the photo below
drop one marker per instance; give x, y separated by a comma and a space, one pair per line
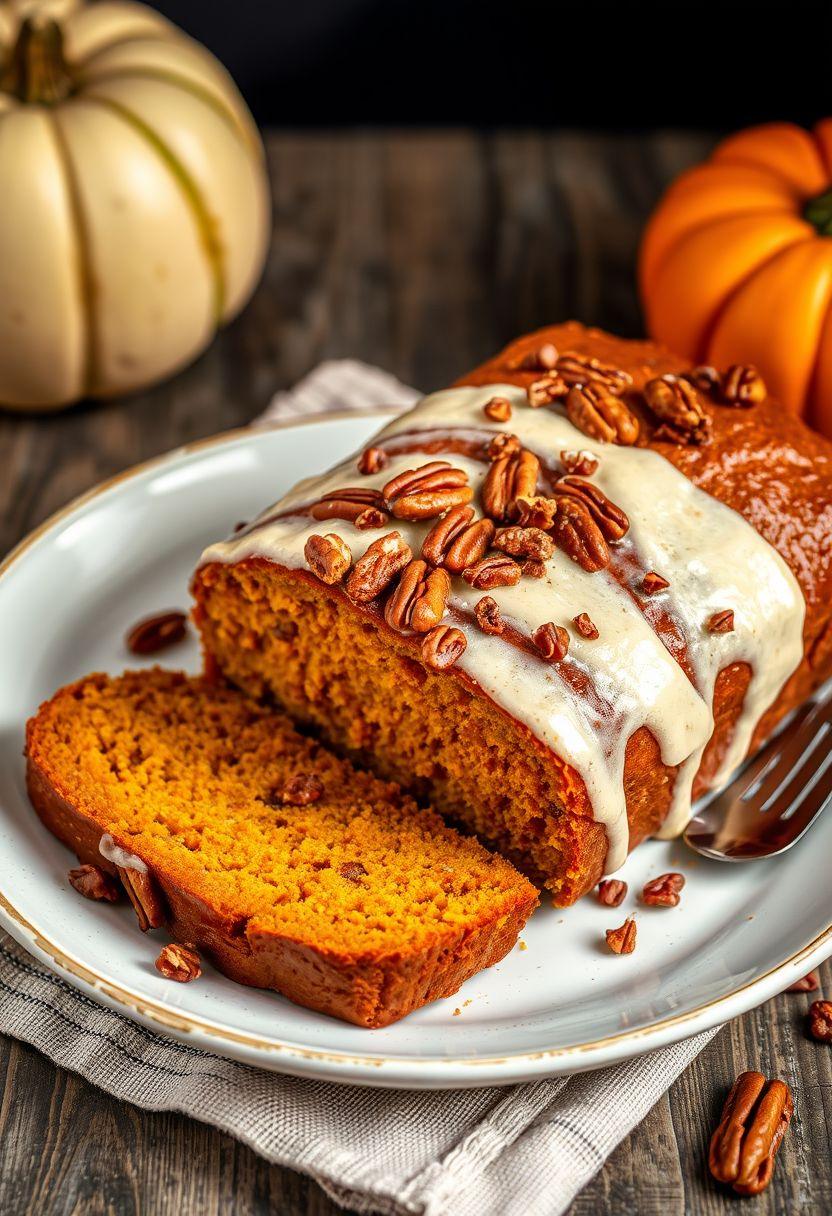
609, 583
287, 867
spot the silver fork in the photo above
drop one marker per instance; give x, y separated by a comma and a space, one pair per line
776, 796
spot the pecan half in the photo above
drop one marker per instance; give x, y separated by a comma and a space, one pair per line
353, 871
676, 402
537, 512
496, 570
498, 409
807, 983
508, 478
743, 385
94, 883
155, 633
376, 569
745, 1143
601, 415
503, 445
585, 626
579, 461
525, 542
145, 895
328, 557
457, 540
705, 378
419, 598
612, 892
549, 388
653, 583
579, 537
300, 790
663, 892
623, 939
373, 460
347, 504
543, 359
442, 647
721, 622
179, 962
584, 369
820, 1021
610, 519
426, 492
552, 641
488, 615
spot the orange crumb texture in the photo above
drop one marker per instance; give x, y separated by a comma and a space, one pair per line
181, 773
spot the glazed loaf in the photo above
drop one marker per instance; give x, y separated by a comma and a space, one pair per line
610, 584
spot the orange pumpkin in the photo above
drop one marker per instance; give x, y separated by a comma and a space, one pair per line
736, 263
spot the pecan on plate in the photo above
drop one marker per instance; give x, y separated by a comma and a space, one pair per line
179, 962
498, 409
442, 647
426, 492
94, 883
145, 895
721, 622
552, 642
418, 600
488, 615
300, 790
579, 537
328, 557
584, 370
585, 626
675, 402
612, 892
753, 1123
373, 460
653, 583
820, 1021
457, 540
610, 519
541, 360
496, 570
508, 478
663, 892
502, 445
376, 569
525, 542
155, 633
579, 461
743, 385
623, 939
601, 415
549, 388
806, 983
349, 504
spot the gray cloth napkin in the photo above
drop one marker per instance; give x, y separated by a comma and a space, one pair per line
520, 1151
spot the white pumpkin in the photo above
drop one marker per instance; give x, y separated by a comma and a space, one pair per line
133, 200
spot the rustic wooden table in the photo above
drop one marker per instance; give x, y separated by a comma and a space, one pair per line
422, 253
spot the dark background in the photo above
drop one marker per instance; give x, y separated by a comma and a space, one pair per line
627, 65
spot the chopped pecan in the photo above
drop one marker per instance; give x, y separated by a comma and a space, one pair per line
579, 461
457, 540
373, 460
525, 542
372, 517
328, 557
623, 939
498, 409
537, 512
706, 379
376, 569
300, 790
676, 403
347, 504
612, 892
807, 983
601, 415
353, 871
443, 646
578, 535
663, 892
503, 445
94, 883
610, 519
721, 622
743, 385
585, 626
426, 492
488, 615
145, 895
496, 570
549, 388
419, 598
533, 568
508, 478
820, 1021
552, 641
653, 583
745, 1143
543, 359
179, 962
155, 633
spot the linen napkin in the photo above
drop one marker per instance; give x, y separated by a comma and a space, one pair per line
526, 1150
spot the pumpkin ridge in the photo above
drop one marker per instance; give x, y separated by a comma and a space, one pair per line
208, 236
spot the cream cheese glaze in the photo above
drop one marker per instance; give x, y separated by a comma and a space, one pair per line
712, 558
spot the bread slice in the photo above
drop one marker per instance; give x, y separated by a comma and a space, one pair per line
283, 864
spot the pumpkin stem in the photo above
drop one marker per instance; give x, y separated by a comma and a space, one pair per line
818, 211
37, 70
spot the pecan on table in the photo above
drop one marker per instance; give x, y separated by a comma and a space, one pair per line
601, 415
753, 1124
820, 1021
577, 534
156, 633
508, 478
328, 557
379, 565
610, 518
94, 883
419, 598
663, 892
623, 939
502, 445
552, 642
743, 385
548, 389
676, 403
426, 492
579, 461
179, 962
612, 892
496, 570
721, 622
442, 647
585, 626
807, 983
373, 460
457, 540
300, 790
584, 370
498, 409
145, 895
349, 504
488, 615
525, 542
536, 512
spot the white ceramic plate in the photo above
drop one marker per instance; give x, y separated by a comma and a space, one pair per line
67, 594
